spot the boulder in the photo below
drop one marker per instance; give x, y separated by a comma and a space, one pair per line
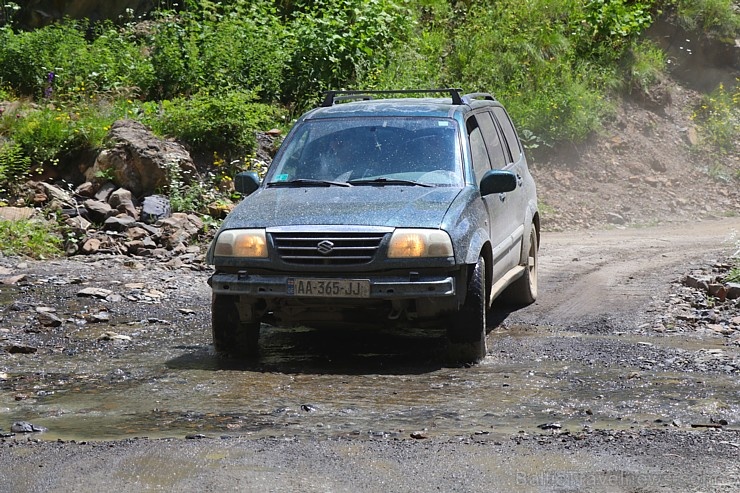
138, 160
155, 208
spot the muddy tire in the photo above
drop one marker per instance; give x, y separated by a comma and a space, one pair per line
523, 291
231, 336
467, 332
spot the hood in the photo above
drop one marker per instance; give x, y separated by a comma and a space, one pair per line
392, 206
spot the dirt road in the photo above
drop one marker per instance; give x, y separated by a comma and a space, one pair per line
578, 392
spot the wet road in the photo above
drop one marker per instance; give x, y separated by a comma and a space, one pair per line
582, 356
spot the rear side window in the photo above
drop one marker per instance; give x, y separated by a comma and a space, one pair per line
493, 142
478, 151
509, 133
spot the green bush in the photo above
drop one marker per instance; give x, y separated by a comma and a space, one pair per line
46, 133
31, 238
243, 47
15, 165
719, 16
212, 122
58, 61
719, 118
645, 65
336, 44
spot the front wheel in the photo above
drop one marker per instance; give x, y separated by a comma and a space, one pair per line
467, 333
231, 336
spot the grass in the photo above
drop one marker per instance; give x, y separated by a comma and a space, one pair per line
28, 238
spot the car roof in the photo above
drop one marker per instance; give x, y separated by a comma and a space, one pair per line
340, 104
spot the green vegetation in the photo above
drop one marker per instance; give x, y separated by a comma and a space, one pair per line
210, 74
28, 237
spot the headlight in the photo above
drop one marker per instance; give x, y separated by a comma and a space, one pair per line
410, 243
241, 243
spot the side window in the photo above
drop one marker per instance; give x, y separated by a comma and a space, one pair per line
492, 140
509, 133
481, 164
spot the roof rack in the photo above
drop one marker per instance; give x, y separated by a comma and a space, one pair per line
332, 97
486, 96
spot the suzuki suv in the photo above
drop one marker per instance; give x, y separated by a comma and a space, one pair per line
381, 209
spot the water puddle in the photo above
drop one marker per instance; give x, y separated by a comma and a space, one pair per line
167, 382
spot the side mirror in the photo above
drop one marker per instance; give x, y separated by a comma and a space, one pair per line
497, 181
246, 182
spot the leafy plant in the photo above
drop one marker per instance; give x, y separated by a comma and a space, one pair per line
28, 237
646, 64
718, 16
212, 122
14, 163
719, 118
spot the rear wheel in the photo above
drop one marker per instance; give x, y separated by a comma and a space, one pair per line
467, 332
523, 291
231, 336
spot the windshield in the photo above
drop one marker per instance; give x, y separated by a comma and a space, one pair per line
371, 152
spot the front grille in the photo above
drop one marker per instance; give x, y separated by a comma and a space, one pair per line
327, 248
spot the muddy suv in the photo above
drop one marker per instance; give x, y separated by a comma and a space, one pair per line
384, 211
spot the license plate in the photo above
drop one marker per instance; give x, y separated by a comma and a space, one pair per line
329, 288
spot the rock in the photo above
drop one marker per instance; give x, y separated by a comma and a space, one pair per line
56, 193
95, 293
105, 191
119, 223
696, 282
112, 336
26, 427
155, 208
78, 224
658, 165
718, 291
550, 426
418, 435
16, 349
614, 218
138, 160
9, 281
16, 213
48, 319
98, 211
86, 189
91, 246
733, 290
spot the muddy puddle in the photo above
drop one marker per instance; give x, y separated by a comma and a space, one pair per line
165, 381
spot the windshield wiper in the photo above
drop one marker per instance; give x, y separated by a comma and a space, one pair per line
387, 181
308, 182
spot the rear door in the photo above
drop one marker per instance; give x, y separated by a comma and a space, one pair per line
488, 153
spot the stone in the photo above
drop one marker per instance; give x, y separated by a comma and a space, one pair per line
55, 193
105, 191
119, 223
155, 208
733, 290
48, 319
91, 246
112, 336
719, 291
9, 281
26, 427
138, 160
119, 196
97, 211
86, 189
614, 218
16, 213
95, 293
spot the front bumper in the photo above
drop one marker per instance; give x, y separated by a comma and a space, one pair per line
381, 287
